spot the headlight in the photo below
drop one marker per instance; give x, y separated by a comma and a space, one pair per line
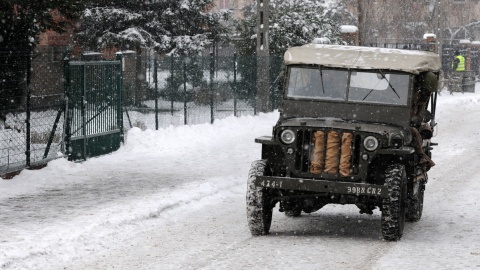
287, 136
396, 141
370, 143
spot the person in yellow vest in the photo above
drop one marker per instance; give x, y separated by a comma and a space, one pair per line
458, 62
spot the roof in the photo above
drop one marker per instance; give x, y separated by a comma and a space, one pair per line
363, 58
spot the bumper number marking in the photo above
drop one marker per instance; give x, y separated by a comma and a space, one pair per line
271, 184
364, 190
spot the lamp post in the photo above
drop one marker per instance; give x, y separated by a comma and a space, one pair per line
263, 54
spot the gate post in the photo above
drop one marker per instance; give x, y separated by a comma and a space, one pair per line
119, 93
68, 110
171, 91
83, 111
235, 84
185, 92
212, 71
155, 79
29, 107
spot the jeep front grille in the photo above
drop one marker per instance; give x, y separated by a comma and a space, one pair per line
326, 152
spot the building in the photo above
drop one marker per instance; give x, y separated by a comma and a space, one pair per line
235, 6
393, 21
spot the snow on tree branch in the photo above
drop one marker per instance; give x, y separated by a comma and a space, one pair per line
174, 27
293, 23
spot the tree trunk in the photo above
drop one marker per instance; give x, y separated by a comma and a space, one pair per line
361, 23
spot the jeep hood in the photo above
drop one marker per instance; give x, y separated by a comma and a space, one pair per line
341, 124
348, 111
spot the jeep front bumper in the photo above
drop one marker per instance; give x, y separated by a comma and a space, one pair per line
321, 186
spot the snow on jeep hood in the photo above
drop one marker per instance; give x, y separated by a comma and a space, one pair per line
358, 57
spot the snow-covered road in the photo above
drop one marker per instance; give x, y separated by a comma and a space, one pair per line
175, 199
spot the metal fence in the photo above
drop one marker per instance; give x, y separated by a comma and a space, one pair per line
400, 45
193, 90
156, 92
31, 106
93, 110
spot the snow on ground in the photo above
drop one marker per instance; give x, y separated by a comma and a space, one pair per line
175, 199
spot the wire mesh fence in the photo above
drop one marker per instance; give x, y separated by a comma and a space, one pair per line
156, 92
193, 90
31, 106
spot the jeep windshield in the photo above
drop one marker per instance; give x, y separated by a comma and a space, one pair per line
361, 86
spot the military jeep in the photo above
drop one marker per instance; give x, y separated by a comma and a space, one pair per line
355, 127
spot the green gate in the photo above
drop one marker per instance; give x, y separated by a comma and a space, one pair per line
94, 124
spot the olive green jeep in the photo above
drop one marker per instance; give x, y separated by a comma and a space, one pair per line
354, 128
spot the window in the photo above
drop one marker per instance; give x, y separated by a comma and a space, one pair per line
379, 87
332, 84
223, 4
329, 84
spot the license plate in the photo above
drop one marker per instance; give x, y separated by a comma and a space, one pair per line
360, 190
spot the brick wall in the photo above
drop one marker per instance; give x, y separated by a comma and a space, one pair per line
47, 75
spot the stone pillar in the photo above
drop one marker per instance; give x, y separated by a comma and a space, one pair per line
349, 34
475, 56
129, 63
431, 42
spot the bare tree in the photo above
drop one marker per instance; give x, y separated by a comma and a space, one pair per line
361, 22
393, 21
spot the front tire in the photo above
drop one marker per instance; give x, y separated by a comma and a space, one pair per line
415, 206
393, 207
259, 205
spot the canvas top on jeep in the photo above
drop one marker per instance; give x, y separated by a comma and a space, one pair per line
339, 56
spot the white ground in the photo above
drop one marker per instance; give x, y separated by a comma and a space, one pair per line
175, 199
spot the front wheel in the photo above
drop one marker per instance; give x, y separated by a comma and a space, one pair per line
393, 207
259, 205
415, 206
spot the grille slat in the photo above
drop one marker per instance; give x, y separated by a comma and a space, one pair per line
318, 152
345, 163
306, 150
299, 153
332, 154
